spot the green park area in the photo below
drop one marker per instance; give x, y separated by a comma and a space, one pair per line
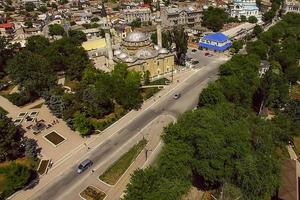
113, 174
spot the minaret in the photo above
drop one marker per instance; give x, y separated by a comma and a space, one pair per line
158, 31
106, 29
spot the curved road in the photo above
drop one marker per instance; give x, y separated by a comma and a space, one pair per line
190, 90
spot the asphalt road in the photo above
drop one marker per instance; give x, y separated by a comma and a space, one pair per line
189, 90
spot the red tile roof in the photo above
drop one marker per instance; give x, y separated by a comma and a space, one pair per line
7, 25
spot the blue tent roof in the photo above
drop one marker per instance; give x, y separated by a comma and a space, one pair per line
217, 37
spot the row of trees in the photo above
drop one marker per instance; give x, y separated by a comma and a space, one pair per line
224, 144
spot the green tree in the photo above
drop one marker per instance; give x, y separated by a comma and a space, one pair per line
243, 18
214, 18
237, 45
9, 140
16, 177
136, 23
211, 95
127, 87
268, 16
95, 19
252, 19
37, 44
43, 9
56, 29
180, 38
82, 124
29, 6
257, 30
275, 86
28, 24
31, 71
77, 36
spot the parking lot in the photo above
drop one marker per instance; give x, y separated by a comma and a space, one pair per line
198, 58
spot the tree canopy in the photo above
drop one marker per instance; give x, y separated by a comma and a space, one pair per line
214, 18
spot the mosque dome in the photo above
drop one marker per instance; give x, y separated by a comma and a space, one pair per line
146, 53
136, 37
129, 59
117, 52
122, 55
163, 51
156, 47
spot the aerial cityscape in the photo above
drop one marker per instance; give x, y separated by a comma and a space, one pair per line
150, 99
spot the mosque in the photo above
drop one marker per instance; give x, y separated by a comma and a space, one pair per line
140, 54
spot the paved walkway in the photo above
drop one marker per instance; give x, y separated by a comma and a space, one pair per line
292, 153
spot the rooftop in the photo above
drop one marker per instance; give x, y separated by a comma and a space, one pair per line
217, 37
7, 25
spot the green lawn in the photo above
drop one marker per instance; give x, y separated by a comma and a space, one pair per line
37, 106
112, 175
2, 111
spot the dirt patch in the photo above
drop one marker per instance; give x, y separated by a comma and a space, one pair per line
54, 138
92, 193
43, 167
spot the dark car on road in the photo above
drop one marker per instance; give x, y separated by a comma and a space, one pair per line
84, 165
177, 96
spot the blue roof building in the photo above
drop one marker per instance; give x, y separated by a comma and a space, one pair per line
215, 42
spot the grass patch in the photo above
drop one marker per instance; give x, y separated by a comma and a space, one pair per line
2, 111
149, 92
295, 92
43, 167
6, 92
161, 81
92, 193
103, 123
112, 175
54, 138
297, 145
71, 83
37, 106
2, 182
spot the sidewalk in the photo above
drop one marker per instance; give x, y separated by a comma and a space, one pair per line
75, 155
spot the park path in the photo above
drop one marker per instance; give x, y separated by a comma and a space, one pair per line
292, 153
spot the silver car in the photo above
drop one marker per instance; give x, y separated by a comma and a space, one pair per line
84, 165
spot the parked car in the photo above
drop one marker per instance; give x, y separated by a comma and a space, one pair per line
177, 96
206, 54
195, 62
194, 50
84, 165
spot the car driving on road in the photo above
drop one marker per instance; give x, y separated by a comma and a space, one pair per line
84, 165
177, 96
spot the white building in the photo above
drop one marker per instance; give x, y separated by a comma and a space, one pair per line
245, 8
132, 14
292, 6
